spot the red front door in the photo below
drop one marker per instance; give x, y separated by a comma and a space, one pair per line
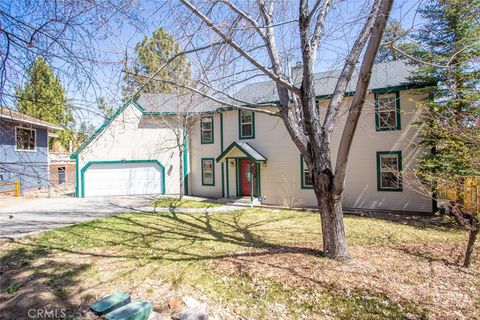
245, 167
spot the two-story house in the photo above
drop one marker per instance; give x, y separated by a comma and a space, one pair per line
24, 149
235, 153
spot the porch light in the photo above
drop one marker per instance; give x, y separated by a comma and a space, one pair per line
232, 163
264, 164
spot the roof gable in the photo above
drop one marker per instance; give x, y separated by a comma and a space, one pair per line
12, 115
105, 125
244, 148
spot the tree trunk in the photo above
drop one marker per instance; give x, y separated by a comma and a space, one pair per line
331, 214
333, 229
180, 172
471, 241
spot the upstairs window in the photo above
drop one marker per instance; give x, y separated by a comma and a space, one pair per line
389, 171
246, 124
208, 172
387, 111
306, 174
26, 139
206, 130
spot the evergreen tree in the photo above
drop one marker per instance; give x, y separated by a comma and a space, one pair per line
450, 42
450, 36
150, 55
395, 37
104, 108
43, 97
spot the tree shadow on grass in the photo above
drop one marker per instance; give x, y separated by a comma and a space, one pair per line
31, 281
133, 237
200, 237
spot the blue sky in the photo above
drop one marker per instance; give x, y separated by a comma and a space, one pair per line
121, 36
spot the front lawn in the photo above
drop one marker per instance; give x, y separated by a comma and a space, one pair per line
252, 264
174, 203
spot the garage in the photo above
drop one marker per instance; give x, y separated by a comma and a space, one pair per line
115, 178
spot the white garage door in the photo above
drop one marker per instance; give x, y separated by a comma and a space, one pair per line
107, 179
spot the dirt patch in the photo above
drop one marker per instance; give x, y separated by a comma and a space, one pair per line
418, 275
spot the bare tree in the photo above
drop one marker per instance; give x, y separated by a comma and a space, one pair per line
248, 32
180, 113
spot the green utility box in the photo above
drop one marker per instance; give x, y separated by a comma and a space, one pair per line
138, 310
111, 303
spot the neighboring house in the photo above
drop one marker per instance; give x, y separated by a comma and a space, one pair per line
62, 171
24, 149
233, 153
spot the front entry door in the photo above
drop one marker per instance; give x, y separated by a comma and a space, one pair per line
245, 167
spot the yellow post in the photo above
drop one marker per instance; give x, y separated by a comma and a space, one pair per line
17, 188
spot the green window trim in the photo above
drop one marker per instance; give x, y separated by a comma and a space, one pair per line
400, 169
203, 172
240, 134
202, 139
302, 174
398, 124
77, 169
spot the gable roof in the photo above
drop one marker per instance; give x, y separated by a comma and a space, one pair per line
12, 115
244, 148
384, 75
156, 104
105, 125
165, 103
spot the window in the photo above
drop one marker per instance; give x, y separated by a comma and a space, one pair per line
25, 139
387, 111
208, 172
61, 175
246, 124
306, 175
206, 130
389, 171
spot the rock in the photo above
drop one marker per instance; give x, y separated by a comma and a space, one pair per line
193, 310
175, 304
157, 316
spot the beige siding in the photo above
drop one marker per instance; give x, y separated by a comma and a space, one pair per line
199, 151
361, 182
132, 136
280, 178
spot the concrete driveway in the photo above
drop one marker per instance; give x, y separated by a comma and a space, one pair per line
35, 215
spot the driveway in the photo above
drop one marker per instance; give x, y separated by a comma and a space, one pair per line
35, 215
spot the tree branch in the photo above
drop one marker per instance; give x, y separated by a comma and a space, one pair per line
215, 99
319, 26
239, 49
359, 97
346, 74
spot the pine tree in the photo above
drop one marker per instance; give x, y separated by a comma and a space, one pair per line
450, 42
105, 109
43, 97
150, 55
395, 42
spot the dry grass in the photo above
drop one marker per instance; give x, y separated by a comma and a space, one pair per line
175, 203
254, 264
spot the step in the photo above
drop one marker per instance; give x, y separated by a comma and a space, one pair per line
138, 310
108, 304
